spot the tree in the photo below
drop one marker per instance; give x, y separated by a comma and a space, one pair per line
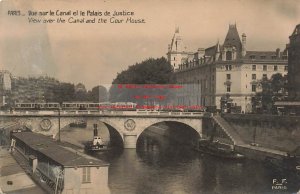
273, 89
150, 71
64, 92
98, 94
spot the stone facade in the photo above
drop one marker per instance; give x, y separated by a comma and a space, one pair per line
294, 64
5, 86
227, 69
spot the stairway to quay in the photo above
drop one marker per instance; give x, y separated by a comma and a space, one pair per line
261, 136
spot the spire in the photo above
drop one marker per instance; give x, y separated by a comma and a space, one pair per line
233, 38
176, 44
218, 51
218, 47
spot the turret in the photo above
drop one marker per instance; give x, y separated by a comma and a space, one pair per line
244, 44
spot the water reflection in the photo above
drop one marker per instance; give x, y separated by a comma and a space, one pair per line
162, 166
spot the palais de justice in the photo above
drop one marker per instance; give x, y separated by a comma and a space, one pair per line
227, 69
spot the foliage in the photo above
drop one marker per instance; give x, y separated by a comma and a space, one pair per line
98, 94
273, 89
151, 71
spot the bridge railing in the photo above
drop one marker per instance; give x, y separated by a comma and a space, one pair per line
106, 112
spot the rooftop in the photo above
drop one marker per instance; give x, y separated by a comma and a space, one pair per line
56, 151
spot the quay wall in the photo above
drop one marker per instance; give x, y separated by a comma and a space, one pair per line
275, 132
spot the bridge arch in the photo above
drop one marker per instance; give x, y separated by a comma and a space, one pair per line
116, 137
181, 132
191, 126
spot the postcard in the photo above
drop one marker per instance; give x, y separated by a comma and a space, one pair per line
153, 97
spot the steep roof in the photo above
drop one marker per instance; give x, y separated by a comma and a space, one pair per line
233, 38
296, 30
262, 55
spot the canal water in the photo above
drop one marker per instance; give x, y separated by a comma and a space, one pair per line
161, 166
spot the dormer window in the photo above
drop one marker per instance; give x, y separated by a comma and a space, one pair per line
262, 57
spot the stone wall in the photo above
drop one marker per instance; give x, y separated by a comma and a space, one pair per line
276, 132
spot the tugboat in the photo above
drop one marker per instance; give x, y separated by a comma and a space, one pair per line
97, 144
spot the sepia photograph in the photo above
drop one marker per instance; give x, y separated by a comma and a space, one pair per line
150, 97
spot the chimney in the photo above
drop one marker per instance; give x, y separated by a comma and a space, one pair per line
244, 44
278, 53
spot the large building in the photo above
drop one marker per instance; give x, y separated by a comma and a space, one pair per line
225, 70
5, 87
294, 64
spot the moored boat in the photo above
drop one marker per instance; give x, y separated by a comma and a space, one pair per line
218, 149
288, 164
81, 124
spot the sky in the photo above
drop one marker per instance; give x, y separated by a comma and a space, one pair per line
93, 53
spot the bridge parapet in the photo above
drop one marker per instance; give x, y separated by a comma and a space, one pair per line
95, 113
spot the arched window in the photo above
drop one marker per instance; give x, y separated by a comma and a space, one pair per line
228, 55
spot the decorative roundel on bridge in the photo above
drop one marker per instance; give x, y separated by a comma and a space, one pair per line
46, 124
129, 125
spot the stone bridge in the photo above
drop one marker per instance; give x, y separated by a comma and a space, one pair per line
126, 125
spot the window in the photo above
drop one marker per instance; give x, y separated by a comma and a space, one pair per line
86, 175
252, 57
275, 68
228, 76
253, 67
262, 57
228, 55
253, 88
273, 57
253, 76
285, 68
228, 67
228, 88
265, 76
265, 67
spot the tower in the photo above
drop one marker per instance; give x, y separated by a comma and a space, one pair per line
232, 44
176, 50
294, 64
